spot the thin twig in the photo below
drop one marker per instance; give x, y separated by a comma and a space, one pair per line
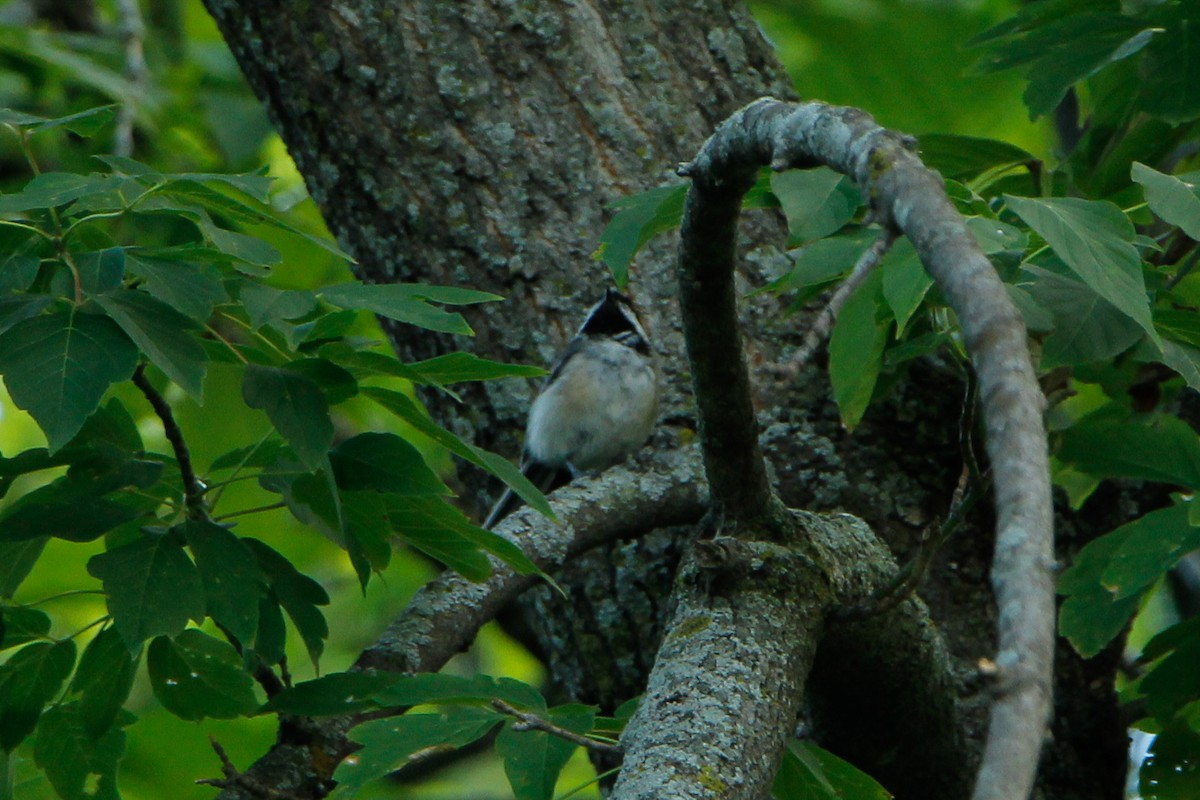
910, 577
530, 721
234, 778
133, 32
823, 324
193, 488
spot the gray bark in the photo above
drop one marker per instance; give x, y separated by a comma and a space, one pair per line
479, 143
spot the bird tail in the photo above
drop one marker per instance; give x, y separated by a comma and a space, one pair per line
545, 477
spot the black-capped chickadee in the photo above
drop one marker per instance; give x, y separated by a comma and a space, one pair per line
597, 406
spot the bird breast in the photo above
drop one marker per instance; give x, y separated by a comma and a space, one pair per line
599, 409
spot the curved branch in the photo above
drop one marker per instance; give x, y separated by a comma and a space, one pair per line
907, 195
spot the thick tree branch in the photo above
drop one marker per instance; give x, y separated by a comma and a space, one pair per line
911, 197
445, 615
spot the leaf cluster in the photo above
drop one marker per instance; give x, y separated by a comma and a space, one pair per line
132, 275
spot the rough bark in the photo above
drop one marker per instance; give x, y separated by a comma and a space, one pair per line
479, 143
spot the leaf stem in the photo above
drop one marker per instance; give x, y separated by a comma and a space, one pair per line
529, 721
245, 511
61, 595
89, 626
193, 488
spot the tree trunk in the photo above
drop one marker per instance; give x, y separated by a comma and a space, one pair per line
479, 144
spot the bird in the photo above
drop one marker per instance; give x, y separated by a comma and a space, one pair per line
597, 406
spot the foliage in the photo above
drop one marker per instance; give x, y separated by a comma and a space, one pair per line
176, 273
1098, 253
132, 274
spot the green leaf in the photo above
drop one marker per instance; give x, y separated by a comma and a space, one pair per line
1093, 239
163, 334
152, 587
18, 269
964, 157
1154, 544
267, 304
233, 581
407, 409
1173, 200
434, 687
1174, 681
19, 625
856, 350
335, 381
1173, 63
60, 511
825, 259
103, 680
84, 123
816, 202
1155, 447
1087, 328
1170, 771
16, 561
409, 303
313, 499
1096, 42
1184, 360
388, 744
54, 189
298, 594
196, 676
190, 287
810, 773
426, 528
271, 636
385, 462
994, 236
296, 407
1090, 617
905, 283
459, 367
21, 307
534, 759
101, 271
431, 524
339, 693
71, 758
57, 367
367, 532
639, 219
29, 680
